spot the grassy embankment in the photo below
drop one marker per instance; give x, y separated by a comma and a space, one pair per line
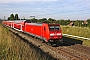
13, 48
78, 31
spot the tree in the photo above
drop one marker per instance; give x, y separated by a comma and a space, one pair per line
8, 18
42, 20
11, 17
68, 21
16, 17
34, 20
88, 20
51, 20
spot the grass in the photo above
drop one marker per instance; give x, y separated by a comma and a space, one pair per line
86, 42
13, 48
78, 31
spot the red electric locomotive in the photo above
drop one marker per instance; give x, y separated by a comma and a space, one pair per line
45, 31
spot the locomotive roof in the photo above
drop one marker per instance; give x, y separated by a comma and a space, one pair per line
39, 24
34, 24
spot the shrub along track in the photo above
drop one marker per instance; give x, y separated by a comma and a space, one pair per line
73, 52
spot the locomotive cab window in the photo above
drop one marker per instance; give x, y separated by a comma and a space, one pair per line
57, 27
54, 27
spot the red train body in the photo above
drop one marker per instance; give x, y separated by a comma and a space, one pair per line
44, 31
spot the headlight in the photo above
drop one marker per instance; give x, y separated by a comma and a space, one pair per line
51, 34
58, 33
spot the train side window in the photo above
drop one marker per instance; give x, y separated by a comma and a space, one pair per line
44, 28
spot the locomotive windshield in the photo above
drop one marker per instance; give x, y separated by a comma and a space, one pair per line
54, 27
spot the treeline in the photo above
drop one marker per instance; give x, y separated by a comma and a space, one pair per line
80, 23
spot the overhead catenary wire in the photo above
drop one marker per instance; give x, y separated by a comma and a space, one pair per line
68, 11
65, 12
82, 11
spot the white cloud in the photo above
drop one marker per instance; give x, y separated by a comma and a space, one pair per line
38, 8
4, 5
20, 1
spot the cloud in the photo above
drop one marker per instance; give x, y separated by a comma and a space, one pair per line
4, 5
20, 1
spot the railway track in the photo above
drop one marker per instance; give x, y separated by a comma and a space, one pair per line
73, 55
61, 53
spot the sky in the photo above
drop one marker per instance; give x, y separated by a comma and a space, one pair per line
56, 9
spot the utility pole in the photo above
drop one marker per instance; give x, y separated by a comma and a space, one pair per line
23, 17
4, 17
